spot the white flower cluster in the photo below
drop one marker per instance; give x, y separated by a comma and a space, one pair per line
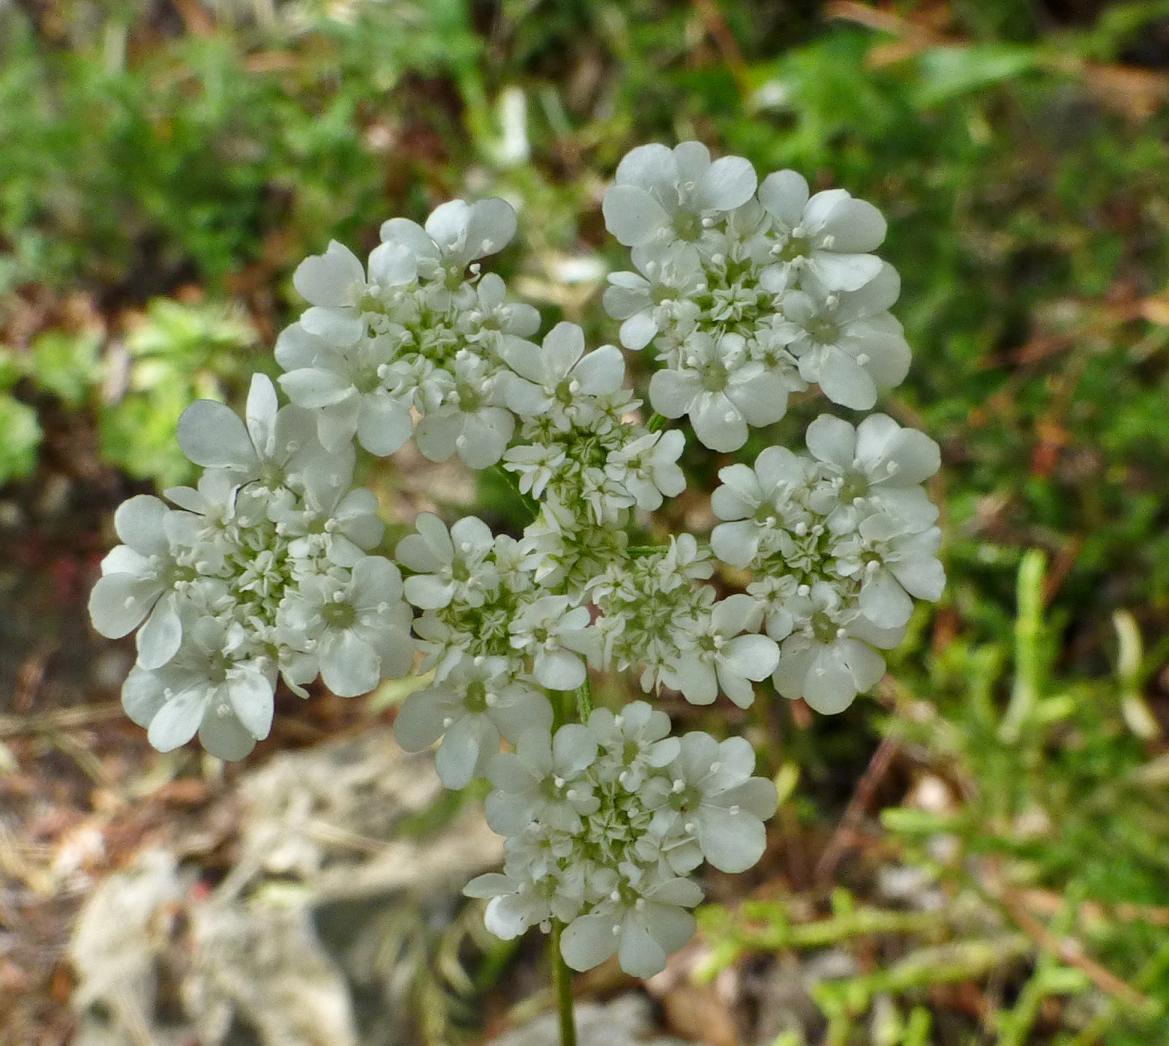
260, 571
838, 540
604, 820
417, 328
269, 569
749, 295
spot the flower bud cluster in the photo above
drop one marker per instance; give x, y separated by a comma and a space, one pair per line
749, 291
260, 571
605, 820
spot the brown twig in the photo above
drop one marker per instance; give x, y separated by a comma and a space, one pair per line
844, 836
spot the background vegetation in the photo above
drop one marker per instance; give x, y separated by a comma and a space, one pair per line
166, 165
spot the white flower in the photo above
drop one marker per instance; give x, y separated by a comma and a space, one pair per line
558, 639
896, 566
559, 378
721, 657
648, 467
138, 578
471, 419
658, 296
477, 703
203, 690
632, 743
603, 819
652, 606
827, 660
715, 800
750, 499
721, 389
449, 565
360, 626
847, 341
271, 444
348, 389
544, 778
328, 519
492, 315
879, 462
829, 235
642, 928
457, 233
661, 194
337, 289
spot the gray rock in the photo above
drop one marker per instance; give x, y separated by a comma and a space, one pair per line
624, 1021
352, 859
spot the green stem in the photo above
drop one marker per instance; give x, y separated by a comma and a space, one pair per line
562, 979
656, 422
645, 550
1028, 648
584, 701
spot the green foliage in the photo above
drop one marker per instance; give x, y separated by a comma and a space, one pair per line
179, 353
1059, 801
22, 437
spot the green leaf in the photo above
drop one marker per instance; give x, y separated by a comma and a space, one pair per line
950, 72
21, 438
67, 365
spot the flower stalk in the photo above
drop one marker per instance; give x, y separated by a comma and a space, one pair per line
562, 982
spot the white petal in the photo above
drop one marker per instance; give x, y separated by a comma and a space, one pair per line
784, 195
638, 330
119, 602
588, 941
212, 435
333, 278
717, 422
384, 424
178, 720
428, 592
601, 371
923, 578
392, 265
832, 440
844, 272
762, 400
844, 381
142, 696
559, 669
349, 666
672, 392
829, 686
884, 602
251, 699
639, 954
462, 747
159, 639
649, 166
752, 656
486, 435
856, 227
632, 215
225, 737
419, 721
316, 387
336, 326
490, 228
728, 183
731, 842
139, 522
